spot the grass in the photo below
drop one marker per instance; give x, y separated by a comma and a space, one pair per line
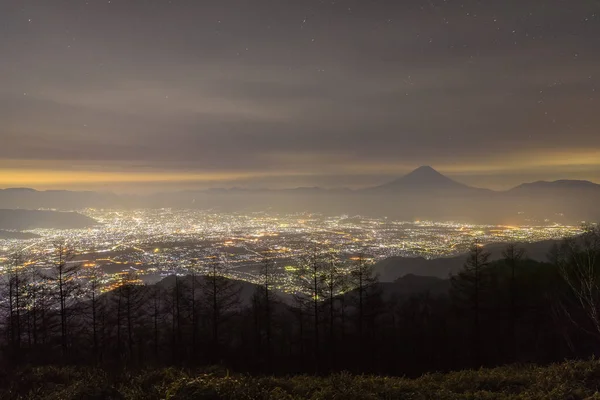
569, 380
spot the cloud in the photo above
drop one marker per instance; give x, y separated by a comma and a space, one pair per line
314, 90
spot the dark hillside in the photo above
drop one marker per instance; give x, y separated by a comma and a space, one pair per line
31, 219
393, 268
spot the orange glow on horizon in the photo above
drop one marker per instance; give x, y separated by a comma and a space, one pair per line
40, 177
66, 174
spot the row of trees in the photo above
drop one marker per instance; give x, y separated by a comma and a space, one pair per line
341, 318
38, 302
59, 312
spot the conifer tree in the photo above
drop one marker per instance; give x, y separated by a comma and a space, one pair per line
468, 287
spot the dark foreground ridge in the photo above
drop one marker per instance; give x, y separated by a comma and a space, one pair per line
568, 380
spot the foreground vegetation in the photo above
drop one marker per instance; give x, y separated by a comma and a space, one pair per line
568, 380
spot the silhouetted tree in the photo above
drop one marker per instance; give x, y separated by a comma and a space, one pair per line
334, 281
132, 297
220, 297
176, 305
156, 300
364, 297
263, 303
95, 306
13, 289
468, 287
194, 304
62, 277
578, 260
513, 255
40, 321
310, 278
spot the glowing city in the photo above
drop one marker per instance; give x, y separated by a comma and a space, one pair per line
157, 243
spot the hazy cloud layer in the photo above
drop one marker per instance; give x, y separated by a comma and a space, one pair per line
284, 93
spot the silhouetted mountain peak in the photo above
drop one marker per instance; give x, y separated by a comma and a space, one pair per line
424, 177
424, 169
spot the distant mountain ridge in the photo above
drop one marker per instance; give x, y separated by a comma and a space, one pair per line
562, 184
422, 177
421, 194
17, 235
19, 220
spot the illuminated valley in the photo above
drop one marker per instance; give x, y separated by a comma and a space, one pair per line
157, 243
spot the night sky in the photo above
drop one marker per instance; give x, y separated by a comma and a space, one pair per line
133, 95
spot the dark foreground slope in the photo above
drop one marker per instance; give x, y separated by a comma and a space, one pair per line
569, 380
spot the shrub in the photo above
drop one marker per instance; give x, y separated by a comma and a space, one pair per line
569, 380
